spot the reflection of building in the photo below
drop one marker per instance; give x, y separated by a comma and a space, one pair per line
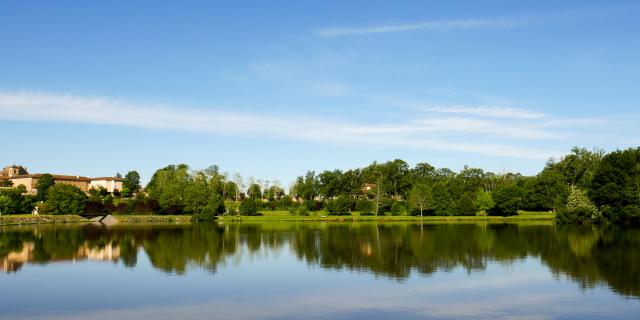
15, 260
19, 176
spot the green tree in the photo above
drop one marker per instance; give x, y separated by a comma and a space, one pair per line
342, 205
484, 201
45, 181
615, 186
13, 201
131, 182
168, 186
579, 209
6, 183
508, 200
364, 206
255, 191
466, 206
421, 197
249, 207
64, 199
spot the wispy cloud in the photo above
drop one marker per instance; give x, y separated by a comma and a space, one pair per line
491, 111
436, 25
509, 22
421, 131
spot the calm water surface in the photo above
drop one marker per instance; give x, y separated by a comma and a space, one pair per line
319, 271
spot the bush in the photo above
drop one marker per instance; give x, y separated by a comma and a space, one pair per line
206, 214
64, 199
365, 206
313, 205
466, 206
12, 201
341, 206
579, 209
508, 200
249, 207
398, 209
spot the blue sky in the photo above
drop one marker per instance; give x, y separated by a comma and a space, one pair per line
271, 89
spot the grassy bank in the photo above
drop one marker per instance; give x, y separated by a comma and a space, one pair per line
19, 219
153, 219
285, 216
272, 216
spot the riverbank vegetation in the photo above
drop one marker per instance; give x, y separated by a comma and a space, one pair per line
583, 187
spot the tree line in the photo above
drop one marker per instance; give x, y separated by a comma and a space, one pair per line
585, 186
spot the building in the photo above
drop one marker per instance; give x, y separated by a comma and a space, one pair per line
109, 183
18, 175
11, 171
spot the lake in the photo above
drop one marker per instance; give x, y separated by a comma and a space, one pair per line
315, 270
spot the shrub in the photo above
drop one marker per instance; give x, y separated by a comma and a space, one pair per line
206, 214
398, 209
365, 206
579, 209
466, 206
64, 199
340, 206
507, 200
249, 207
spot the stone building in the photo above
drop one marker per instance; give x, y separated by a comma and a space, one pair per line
109, 183
18, 175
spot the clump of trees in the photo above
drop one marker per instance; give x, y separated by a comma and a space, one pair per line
586, 186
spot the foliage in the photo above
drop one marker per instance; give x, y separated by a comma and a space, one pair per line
64, 199
45, 181
579, 209
365, 206
484, 201
466, 206
249, 207
12, 201
254, 192
616, 186
342, 205
421, 197
507, 199
398, 209
131, 183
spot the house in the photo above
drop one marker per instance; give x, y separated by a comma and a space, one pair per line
11, 171
18, 175
109, 183
30, 181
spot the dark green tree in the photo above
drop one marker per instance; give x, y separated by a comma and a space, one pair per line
508, 200
249, 207
131, 182
64, 199
421, 197
45, 181
615, 187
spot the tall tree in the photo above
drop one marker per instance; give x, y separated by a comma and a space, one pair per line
420, 197
131, 183
616, 186
45, 181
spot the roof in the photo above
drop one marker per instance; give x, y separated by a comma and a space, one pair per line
107, 179
55, 177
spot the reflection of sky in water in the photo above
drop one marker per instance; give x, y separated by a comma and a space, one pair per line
274, 284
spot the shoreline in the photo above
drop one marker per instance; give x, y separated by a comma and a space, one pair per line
9, 220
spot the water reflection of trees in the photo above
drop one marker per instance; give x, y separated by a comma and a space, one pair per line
589, 256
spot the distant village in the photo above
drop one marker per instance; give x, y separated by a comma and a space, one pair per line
18, 175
